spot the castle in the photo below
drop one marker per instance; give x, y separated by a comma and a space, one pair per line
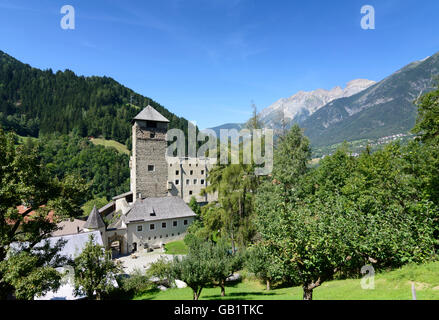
155, 210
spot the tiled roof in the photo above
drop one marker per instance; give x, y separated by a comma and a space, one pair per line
151, 209
150, 114
94, 220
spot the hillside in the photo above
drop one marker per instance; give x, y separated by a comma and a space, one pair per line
383, 109
393, 285
34, 102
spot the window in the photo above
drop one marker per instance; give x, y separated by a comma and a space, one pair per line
202, 171
172, 235
152, 135
177, 182
185, 222
190, 192
150, 168
139, 228
161, 236
163, 225
187, 182
149, 238
151, 226
195, 181
202, 181
192, 172
174, 223
166, 236
155, 237
177, 172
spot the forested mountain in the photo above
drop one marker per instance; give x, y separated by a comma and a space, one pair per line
34, 102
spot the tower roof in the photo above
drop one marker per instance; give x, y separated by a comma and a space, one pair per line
150, 114
94, 220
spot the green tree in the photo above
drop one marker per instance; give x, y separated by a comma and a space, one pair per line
196, 268
94, 271
45, 201
427, 123
226, 263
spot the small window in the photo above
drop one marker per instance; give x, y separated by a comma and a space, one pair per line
149, 238
150, 168
139, 228
190, 164
172, 235
161, 236
188, 182
190, 192
195, 181
196, 165
192, 172
177, 182
185, 222
166, 236
202, 181
177, 172
152, 226
155, 237
163, 225
174, 223
202, 171
152, 135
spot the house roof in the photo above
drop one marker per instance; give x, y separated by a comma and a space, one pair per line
152, 209
123, 195
69, 227
94, 220
150, 114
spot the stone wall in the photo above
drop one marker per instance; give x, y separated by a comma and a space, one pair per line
148, 163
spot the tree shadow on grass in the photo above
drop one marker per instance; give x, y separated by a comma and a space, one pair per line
237, 295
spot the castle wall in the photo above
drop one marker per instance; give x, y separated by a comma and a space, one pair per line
187, 177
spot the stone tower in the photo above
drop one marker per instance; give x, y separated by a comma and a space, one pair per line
149, 169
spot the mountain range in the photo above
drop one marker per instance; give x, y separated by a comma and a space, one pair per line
364, 109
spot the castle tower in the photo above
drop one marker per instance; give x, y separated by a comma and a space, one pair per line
149, 169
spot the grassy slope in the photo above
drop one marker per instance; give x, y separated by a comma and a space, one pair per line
111, 143
393, 285
176, 247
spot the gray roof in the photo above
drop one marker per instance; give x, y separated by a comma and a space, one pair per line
150, 114
107, 206
94, 220
151, 209
123, 195
74, 245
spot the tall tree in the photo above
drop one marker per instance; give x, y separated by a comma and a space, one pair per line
31, 203
94, 271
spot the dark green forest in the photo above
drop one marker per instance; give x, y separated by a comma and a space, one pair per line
35, 102
105, 170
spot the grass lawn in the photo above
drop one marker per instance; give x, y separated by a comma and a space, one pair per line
111, 143
176, 247
393, 285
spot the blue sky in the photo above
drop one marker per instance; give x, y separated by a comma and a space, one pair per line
207, 60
